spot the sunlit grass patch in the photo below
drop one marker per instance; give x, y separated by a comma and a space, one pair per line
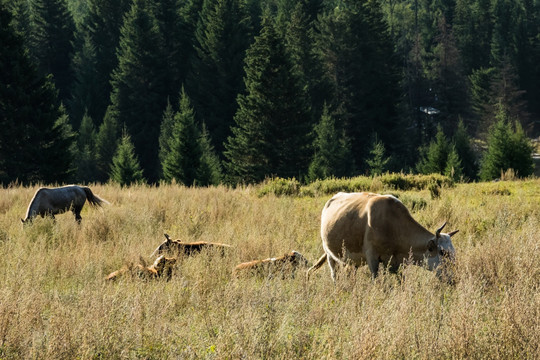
55, 302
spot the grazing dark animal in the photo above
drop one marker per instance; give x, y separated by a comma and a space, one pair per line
187, 248
365, 228
162, 267
285, 264
47, 201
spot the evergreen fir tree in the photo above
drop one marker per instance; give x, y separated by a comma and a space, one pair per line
125, 168
378, 160
65, 144
184, 157
528, 50
480, 95
177, 42
496, 158
521, 152
465, 152
51, 42
86, 160
165, 133
272, 124
507, 149
35, 141
139, 86
506, 16
21, 21
435, 156
453, 167
505, 92
106, 144
447, 79
209, 172
86, 88
79, 8
96, 41
359, 62
300, 43
332, 155
473, 27
221, 38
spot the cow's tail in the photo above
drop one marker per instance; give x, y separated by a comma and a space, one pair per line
94, 200
317, 265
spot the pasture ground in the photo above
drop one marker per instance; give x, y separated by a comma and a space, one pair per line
55, 303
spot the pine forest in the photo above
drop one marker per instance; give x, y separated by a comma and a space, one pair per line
208, 92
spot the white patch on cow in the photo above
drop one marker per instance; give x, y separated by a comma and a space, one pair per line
392, 197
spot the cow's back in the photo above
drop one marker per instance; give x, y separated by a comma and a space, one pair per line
343, 222
392, 229
360, 222
60, 199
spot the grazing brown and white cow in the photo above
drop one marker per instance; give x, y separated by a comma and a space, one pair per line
188, 248
285, 264
369, 228
162, 267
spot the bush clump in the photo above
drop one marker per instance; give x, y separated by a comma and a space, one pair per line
389, 181
279, 187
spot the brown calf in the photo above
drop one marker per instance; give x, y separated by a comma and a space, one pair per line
162, 267
286, 265
188, 248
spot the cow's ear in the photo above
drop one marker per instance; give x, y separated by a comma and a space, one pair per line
431, 245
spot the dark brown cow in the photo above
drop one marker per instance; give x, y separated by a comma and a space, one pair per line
286, 264
188, 248
162, 267
366, 228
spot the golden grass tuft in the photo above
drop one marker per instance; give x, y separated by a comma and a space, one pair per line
55, 303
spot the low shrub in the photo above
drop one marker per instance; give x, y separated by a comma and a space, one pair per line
279, 187
386, 182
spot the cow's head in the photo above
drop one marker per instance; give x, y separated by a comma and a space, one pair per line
441, 251
163, 247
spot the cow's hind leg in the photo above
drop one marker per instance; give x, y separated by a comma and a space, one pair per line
332, 264
372, 260
317, 265
78, 216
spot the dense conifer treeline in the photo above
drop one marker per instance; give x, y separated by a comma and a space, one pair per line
206, 91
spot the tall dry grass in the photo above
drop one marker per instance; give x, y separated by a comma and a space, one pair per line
55, 303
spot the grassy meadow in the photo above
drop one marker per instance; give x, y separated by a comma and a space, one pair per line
55, 303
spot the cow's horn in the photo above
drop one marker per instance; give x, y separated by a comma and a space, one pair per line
438, 232
452, 233
167, 237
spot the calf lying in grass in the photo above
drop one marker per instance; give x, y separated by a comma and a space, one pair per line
162, 267
286, 265
187, 248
